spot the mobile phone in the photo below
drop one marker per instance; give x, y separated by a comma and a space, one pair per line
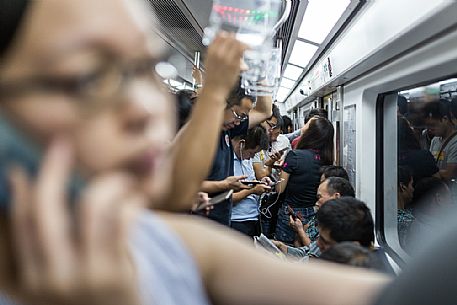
292, 213
251, 182
18, 150
277, 165
216, 199
281, 151
276, 182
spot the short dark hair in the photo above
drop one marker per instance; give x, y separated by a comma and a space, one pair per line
404, 175
438, 109
453, 106
237, 94
277, 114
406, 138
347, 219
286, 123
183, 106
319, 136
334, 171
316, 112
402, 104
425, 192
256, 136
341, 186
349, 253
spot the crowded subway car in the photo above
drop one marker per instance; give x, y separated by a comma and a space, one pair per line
228, 152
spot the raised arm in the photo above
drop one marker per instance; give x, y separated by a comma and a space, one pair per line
234, 272
261, 112
191, 162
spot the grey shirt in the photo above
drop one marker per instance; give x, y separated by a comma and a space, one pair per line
449, 153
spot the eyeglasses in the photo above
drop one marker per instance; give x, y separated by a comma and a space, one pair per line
105, 83
272, 126
240, 117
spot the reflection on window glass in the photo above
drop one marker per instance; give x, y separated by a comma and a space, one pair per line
427, 156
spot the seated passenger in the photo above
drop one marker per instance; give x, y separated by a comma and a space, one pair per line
245, 213
333, 171
308, 233
352, 254
300, 175
341, 219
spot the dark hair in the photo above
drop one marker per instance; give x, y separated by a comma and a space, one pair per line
406, 138
352, 254
438, 110
316, 112
277, 114
286, 123
11, 15
453, 107
319, 136
236, 95
404, 175
402, 104
425, 191
340, 185
334, 171
184, 106
256, 136
347, 219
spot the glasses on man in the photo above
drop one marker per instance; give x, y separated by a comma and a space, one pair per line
272, 126
105, 83
241, 117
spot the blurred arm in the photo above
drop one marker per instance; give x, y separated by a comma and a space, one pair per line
234, 272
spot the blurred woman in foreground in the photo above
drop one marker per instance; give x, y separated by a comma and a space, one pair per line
84, 123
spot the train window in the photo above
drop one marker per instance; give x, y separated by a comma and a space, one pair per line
426, 158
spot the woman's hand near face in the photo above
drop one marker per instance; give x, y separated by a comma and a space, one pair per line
64, 260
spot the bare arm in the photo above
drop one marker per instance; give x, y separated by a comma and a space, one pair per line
260, 170
281, 186
237, 197
191, 163
212, 187
234, 272
261, 112
449, 172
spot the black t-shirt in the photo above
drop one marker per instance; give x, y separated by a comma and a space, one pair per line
303, 167
420, 161
223, 168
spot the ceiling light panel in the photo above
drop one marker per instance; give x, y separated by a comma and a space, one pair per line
282, 94
302, 53
320, 17
287, 83
293, 72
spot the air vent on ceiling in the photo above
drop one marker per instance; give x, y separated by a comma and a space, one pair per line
176, 27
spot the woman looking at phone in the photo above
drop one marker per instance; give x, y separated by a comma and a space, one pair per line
301, 174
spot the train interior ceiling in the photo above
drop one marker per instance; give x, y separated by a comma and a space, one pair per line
347, 57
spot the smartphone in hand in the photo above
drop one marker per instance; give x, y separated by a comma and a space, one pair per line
215, 200
251, 182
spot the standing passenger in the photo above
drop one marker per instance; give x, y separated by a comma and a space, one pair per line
301, 174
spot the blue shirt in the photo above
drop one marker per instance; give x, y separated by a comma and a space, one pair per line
223, 168
248, 208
